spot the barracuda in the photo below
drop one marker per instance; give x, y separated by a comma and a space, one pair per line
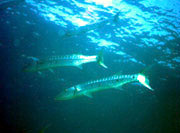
67, 60
84, 29
115, 81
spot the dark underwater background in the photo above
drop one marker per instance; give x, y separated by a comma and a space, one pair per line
146, 37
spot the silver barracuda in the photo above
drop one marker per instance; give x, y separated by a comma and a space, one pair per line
67, 60
84, 29
115, 81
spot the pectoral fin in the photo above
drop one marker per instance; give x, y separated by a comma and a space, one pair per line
39, 72
80, 67
118, 88
51, 70
88, 95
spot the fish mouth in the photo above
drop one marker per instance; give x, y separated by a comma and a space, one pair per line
62, 97
25, 69
59, 98
29, 67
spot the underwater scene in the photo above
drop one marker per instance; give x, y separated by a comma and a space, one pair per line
90, 66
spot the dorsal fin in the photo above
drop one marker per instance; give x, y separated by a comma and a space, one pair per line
145, 70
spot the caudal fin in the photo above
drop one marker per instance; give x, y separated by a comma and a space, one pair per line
144, 81
100, 59
116, 17
143, 78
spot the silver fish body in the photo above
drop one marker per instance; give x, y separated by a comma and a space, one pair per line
115, 81
93, 26
67, 60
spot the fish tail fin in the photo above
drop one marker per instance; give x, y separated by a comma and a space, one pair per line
147, 69
143, 78
116, 17
100, 59
144, 81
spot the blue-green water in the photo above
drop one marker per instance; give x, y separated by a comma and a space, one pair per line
147, 33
